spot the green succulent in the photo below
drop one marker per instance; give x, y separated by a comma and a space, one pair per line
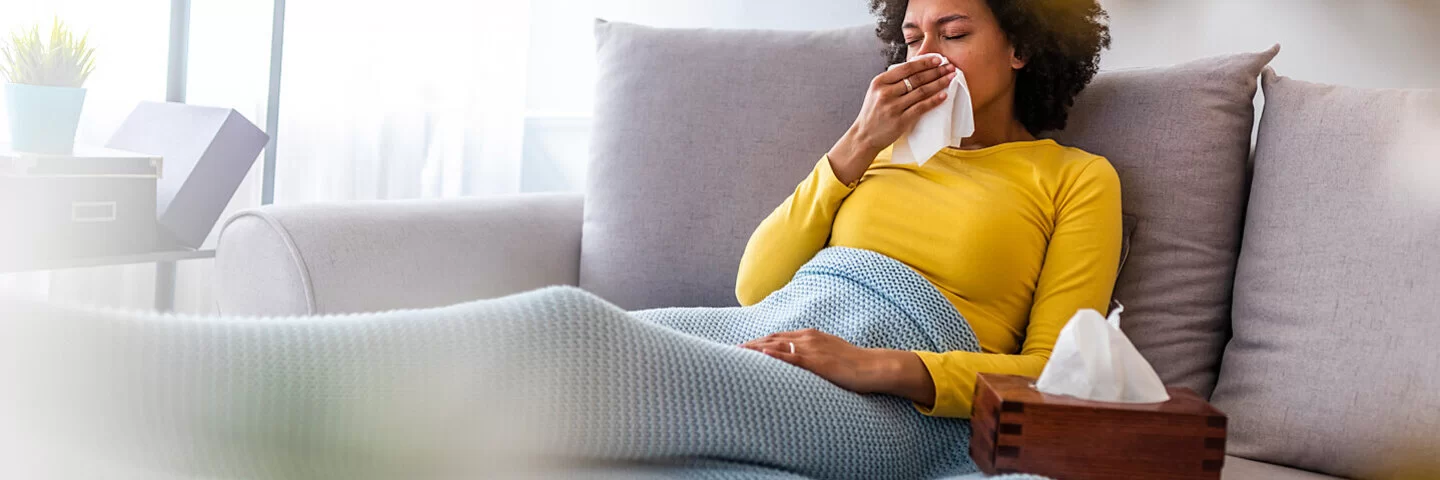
63, 62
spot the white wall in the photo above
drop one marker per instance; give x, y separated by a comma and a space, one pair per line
1363, 43
771, 14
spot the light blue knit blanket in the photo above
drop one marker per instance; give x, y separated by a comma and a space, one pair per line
555, 373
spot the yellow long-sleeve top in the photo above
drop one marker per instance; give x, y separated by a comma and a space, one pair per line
1017, 236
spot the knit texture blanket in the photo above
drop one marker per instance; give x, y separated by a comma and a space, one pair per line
555, 380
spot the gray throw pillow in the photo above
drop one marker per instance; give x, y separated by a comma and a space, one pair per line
698, 135
1333, 366
1179, 137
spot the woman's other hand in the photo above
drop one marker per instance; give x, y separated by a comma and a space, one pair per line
891, 108
861, 370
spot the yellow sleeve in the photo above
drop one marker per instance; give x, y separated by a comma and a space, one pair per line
1078, 272
791, 235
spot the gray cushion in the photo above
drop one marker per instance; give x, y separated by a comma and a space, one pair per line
1179, 137
698, 135
1333, 366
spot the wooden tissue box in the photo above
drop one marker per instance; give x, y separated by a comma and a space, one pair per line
1017, 429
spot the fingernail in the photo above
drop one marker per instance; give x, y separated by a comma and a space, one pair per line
942, 95
935, 61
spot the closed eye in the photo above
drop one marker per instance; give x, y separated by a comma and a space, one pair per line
954, 37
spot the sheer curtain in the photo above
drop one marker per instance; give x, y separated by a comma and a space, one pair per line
424, 98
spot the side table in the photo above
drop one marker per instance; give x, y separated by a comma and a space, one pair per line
164, 261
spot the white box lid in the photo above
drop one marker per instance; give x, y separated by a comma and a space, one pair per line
85, 161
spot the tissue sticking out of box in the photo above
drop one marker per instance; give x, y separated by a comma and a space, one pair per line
1093, 360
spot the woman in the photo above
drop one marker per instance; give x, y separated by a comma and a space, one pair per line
1017, 233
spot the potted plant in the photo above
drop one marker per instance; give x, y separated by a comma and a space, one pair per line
43, 91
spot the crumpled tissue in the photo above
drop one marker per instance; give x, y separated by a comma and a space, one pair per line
941, 126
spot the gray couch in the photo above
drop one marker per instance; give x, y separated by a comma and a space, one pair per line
1293, 284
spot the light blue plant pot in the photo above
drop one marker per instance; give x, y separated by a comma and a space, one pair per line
43, 119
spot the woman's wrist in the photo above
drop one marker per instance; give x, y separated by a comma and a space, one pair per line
901, 373
849, 158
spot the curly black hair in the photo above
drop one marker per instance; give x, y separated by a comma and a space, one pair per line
1060, 41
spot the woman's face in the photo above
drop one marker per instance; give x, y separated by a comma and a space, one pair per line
966, 32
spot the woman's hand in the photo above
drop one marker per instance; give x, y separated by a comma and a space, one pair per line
891, 109
862, 370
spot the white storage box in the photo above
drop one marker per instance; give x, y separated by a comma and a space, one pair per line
93, 202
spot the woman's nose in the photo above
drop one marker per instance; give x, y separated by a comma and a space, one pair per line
928, 45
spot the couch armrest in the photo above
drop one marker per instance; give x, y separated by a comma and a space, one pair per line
380, 255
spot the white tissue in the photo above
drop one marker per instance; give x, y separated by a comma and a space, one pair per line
940, 127
1094, 360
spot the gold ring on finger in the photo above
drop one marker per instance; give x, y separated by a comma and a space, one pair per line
908, 86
